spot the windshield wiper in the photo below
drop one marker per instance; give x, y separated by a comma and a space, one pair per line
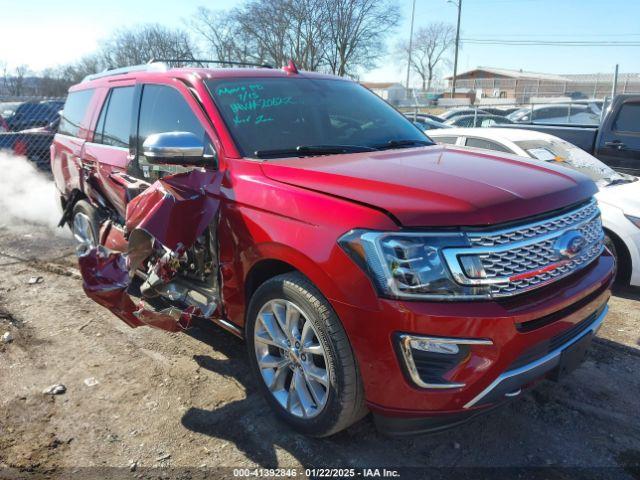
307, 150
403, 143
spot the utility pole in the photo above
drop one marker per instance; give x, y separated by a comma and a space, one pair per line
413, 14
455, 60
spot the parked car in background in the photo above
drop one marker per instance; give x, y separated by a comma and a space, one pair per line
426, 123
34, 114
457, 111
502, 111
413, 116
558, 113
33, 143
478, 120
4, 126
616, 141
618, 196
7, 109
366, 267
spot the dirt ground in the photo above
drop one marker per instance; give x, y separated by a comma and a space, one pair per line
139, 399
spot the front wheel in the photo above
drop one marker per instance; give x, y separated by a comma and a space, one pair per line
85, 224
301, 357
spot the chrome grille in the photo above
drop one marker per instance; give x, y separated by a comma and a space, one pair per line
570, 219
514, 260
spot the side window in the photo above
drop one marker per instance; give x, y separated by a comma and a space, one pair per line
74, 112
447, 140
163, 109
486, 145
628, 118
114, 124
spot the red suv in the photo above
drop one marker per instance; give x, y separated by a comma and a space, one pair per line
367, 268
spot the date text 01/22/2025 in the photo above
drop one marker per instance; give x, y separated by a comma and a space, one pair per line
316, 473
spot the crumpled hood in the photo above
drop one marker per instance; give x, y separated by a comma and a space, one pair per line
626, 197
438, 185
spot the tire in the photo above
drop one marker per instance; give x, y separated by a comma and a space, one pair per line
333, 408
622, 257
86, 214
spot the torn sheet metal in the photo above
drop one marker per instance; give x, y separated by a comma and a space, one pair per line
164, 221
106, 280
176, 209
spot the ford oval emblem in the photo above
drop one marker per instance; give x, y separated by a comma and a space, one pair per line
569, 244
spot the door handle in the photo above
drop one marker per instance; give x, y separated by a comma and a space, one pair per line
617, 144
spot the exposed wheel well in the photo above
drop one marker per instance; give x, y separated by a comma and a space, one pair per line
263, 271
624, 258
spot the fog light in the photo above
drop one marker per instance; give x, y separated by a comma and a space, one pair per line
427, 360
432, 345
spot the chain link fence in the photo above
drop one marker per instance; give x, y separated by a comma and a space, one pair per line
27, 126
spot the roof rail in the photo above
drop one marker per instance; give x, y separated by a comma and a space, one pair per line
146, 67
202, 61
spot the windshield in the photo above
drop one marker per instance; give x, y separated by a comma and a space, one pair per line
284, 114
574, 158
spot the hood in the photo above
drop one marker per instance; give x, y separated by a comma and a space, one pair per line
438, 185
626, 197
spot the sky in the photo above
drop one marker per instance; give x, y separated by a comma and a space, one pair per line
45, 33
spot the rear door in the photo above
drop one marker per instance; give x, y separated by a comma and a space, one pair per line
107, 156
619, 142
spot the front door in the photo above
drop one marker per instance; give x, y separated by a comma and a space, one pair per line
619, 142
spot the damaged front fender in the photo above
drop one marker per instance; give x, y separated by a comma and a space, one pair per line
161, 223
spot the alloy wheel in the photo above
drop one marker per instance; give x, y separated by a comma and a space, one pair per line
82, 231
291, 358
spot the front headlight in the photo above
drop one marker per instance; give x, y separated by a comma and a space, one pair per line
411, 265
634, 220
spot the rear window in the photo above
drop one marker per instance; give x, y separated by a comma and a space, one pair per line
114, 125
486, 144
447, 140
75, 109
628, 119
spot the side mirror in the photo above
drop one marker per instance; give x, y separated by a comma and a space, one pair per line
176, 148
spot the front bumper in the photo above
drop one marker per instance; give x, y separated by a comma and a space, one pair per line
492, 369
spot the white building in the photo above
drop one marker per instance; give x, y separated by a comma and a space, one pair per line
392, 92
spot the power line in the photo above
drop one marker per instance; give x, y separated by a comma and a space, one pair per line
556, 43
549, 35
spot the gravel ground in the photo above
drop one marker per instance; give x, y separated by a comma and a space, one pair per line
140, 399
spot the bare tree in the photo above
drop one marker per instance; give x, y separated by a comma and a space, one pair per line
220, 32
15, 83
266, 23
357, 31
341, 36
430, 47
140, 44
308, 32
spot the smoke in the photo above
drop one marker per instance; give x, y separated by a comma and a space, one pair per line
26, 195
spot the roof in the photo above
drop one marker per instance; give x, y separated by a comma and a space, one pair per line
497, 134
149, 71
373, 85
515, 74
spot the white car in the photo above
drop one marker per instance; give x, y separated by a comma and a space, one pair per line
618, 198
